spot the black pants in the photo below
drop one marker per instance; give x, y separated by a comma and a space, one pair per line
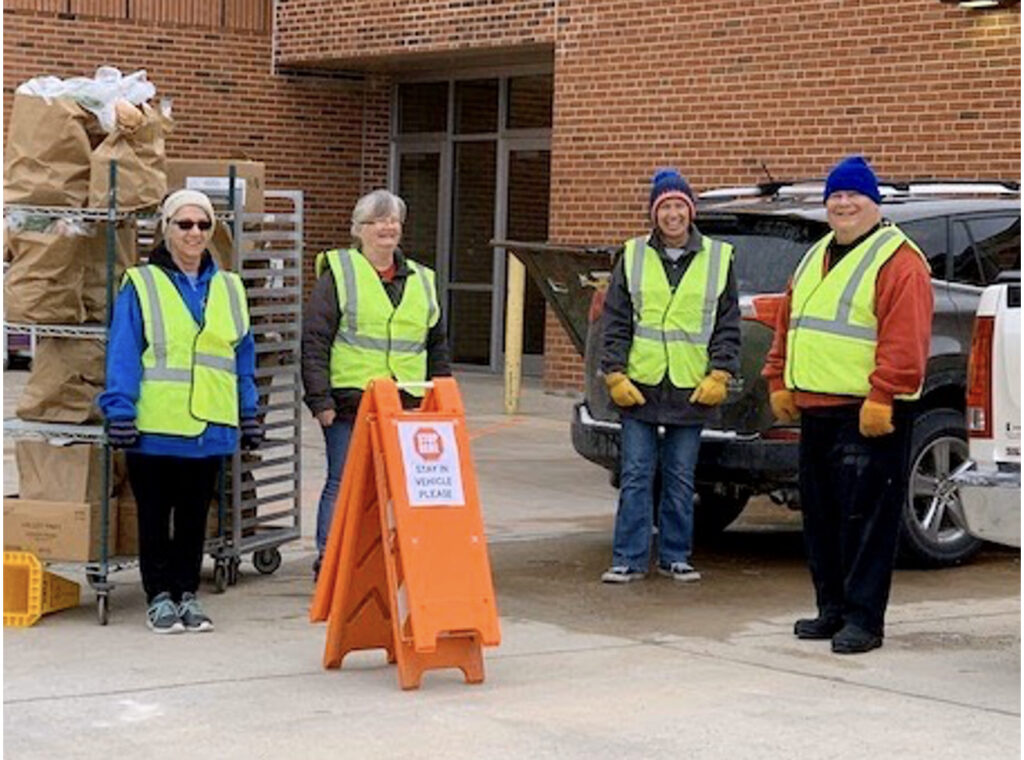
169, 488
852, 491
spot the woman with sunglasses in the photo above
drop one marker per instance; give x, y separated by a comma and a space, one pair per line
180, 396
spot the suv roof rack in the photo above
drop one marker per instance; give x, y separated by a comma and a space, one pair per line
813, 188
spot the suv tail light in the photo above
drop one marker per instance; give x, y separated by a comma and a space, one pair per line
596, 305
766, 309
979, 379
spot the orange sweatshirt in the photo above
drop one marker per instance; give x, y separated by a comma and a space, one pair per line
903, 307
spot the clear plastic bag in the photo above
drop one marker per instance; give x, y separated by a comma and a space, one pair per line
96, 95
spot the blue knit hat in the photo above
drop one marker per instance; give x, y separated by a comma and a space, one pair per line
669, 183
853, 173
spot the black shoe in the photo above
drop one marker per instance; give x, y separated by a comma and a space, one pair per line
853, 639
817, 628
316, 569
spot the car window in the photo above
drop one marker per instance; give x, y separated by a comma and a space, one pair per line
931, 237
766, 250
985, 246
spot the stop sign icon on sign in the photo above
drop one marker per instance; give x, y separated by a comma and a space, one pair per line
428, 444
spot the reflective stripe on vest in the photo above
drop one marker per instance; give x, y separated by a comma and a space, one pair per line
188, 374
672, 329
375, 338
832, 337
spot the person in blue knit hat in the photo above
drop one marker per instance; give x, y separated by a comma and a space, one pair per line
848, 361
671, 343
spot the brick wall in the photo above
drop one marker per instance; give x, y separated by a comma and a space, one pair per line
364, 32
326, 136
923, 88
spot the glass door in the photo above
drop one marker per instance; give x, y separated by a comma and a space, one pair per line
471, 276
528, 175
419, 185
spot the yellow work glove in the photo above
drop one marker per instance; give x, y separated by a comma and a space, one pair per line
712, 389
622, 390
784, 407
875, 419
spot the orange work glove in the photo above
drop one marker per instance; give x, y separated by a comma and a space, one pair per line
622, 390
712, 389
784, 407
875, 419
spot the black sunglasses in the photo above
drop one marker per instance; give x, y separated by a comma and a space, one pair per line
186, 224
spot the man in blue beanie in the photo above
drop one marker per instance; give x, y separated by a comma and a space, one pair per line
671, 343
848, 361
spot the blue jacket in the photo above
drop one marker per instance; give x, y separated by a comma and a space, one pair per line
126, 343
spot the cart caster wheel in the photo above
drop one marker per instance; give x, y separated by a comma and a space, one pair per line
220, 577
233, 571
102, 609
267, 560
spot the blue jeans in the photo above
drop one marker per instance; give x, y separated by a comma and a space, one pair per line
336, 438
642, 453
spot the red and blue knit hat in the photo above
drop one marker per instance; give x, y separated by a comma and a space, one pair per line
669, 183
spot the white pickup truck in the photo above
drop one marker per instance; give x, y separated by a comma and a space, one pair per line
989, 482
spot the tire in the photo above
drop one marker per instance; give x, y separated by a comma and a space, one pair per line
932, 531
266, 561
715, 509
220, 576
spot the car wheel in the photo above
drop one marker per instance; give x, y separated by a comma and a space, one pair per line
715, 509
932, 531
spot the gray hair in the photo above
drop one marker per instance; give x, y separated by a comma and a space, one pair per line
376, 205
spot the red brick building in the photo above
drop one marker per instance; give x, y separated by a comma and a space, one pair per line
542, 119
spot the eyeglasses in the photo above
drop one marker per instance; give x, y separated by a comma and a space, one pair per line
186, 224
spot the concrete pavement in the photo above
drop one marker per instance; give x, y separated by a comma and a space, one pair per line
584, 670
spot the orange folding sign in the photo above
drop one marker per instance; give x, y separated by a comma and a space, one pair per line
406, 568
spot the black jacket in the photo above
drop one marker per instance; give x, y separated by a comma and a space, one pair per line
666, 404
319, 328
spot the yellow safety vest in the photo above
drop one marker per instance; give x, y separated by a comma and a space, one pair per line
672, 329
188, 372
375, 338
830, 346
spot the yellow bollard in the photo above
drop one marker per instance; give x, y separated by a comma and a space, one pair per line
515, 300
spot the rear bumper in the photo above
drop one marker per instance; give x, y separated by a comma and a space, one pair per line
725, 456
991, 502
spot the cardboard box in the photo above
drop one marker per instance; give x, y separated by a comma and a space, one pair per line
211, 177
58, 531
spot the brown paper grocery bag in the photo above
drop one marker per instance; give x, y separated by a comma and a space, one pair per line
67, 376
93, 259
141, 164
44, 282
46, 161
71, 472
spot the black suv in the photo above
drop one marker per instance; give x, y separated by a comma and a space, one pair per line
970, 232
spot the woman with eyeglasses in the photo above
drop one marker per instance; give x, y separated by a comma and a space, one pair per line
180, 396
373, 313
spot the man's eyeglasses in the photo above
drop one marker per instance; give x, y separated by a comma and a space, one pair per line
186, 224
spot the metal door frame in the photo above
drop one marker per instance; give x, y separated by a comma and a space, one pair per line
443, 144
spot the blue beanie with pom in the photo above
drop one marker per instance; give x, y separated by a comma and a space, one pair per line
853, 173
669, 183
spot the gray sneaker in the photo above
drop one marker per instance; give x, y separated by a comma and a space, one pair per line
162, 615
621, 574
679, 571
192, 615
